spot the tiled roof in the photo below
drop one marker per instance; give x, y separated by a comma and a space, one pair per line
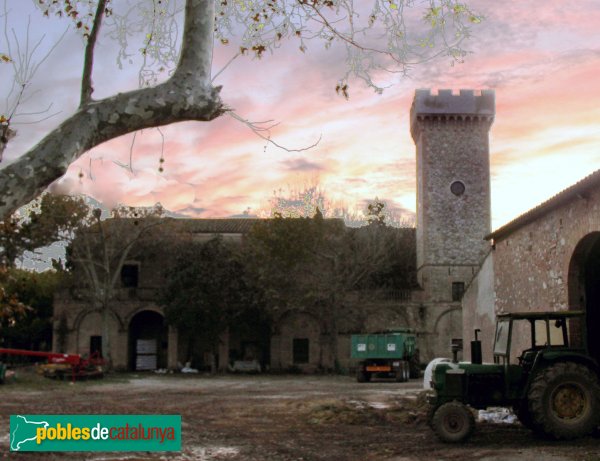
577, 190
214, 226
221, 225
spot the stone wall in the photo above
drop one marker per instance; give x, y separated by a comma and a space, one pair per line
532, 263
478, 310
83, 322
435, 324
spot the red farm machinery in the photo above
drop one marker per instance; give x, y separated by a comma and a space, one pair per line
59, 365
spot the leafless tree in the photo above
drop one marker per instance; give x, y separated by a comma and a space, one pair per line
99, 250
24, 60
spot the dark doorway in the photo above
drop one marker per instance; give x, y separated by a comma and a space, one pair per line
300, 350
96, 346
148, 341
584, 287
250, 338
592, 299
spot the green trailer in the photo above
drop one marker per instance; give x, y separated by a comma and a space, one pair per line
390, 354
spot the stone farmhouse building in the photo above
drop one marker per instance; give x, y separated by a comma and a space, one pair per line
450, 132
546, 259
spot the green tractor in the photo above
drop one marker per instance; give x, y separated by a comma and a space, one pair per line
553, 389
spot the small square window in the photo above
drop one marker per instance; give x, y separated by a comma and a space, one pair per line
129, 275
458, 290
300, 350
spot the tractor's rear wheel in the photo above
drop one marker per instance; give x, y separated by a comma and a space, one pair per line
453, 422
564, 401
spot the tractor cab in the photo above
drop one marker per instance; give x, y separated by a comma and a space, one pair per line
533, 332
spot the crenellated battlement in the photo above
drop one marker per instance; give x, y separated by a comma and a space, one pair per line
446, 105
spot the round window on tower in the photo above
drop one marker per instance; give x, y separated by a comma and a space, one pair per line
457, 188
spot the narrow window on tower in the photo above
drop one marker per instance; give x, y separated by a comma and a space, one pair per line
458, 290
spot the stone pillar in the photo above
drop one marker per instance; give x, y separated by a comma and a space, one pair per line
223, 352
172, 349
276, 352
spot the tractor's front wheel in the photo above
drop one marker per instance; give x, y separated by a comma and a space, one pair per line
524, 416
453, 422
564, 401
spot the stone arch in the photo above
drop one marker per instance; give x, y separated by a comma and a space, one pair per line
148, 340
84, 312
249, 338
441, 317
446, 323
137, 310
88, 326
584, 289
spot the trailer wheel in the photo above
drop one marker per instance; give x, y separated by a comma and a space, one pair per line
563, 401
406, 371
363, 376
453, 422
401, 373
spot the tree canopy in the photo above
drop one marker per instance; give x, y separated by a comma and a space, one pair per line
207, 290
48, 219
314, 264
26, 301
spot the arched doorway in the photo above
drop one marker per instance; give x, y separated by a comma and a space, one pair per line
148, 341
584, 287
250, 338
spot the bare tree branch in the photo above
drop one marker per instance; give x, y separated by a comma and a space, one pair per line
86, 82
260, 130
187, 95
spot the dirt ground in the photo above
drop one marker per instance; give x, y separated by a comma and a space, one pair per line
263, 418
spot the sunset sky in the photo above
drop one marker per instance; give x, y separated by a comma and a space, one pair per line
541, 58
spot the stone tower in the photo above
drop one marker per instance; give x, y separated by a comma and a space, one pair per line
450, 132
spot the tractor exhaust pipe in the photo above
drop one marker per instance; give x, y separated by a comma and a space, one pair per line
476, 357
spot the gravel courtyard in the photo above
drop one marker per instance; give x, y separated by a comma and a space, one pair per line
262, 418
